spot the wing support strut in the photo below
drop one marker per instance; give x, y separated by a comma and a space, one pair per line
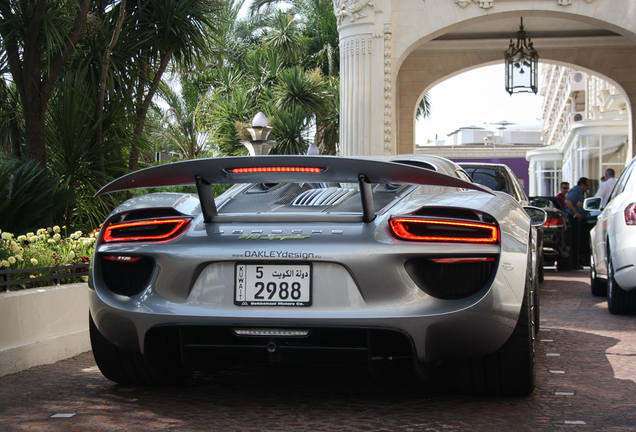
368, 211
206, 197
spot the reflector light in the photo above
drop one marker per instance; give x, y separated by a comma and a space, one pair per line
120, 258
556, 222
155, 230
249, 170
462, 260
435, 230
630, 214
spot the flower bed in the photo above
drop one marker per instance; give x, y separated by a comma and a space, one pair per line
46, 257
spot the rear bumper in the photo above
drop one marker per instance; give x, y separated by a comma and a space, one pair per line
476, 326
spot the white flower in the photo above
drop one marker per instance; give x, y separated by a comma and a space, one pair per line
1, 264
30, 234
51, 241
87, 243
11, 260
41, 231
78, 233
19, 258
71, 255
49, 230
6, 236
74, 236
33, 239
22, 238
5, 263
34, 261
56, 229
57, 237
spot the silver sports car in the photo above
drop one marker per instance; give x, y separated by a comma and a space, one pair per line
315, 260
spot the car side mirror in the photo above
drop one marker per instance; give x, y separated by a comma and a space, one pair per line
592, 204
537, 215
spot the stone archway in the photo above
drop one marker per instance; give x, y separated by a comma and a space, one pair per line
393, 50
423, 69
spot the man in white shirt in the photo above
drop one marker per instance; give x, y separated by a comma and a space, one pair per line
605, 190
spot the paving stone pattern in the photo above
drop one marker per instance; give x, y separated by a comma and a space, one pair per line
586, 375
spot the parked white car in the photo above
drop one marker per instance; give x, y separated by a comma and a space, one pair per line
613, 245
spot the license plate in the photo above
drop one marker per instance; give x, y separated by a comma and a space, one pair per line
272, 285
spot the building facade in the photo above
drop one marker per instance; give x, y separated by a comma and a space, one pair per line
585, 130
394, 51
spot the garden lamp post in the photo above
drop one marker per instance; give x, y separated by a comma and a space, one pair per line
259, 144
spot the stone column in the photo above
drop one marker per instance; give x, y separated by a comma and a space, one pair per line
365, 79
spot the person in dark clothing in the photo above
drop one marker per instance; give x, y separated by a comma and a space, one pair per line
577, 218
565, 188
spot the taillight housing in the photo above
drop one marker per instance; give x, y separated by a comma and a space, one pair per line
150, 230
630, 214
422, 229
554, 222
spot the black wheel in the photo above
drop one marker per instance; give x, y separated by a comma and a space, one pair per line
125, 367
564, 264
511, 370
599, 286
619, 301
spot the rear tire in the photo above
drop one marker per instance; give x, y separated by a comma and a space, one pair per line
511, 370
128, 368
599, 286
564, 264
619, 301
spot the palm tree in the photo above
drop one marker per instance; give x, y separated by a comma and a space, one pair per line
424, 108
283, 36
179, 129
166, 30
39, 38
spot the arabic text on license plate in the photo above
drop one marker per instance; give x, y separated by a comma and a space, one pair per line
272, 285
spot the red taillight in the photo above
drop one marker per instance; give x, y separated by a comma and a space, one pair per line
462, 260
155, 230
275, 169
554, 222
630, 214
435, 230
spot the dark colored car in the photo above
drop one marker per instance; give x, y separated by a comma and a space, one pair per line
555, 235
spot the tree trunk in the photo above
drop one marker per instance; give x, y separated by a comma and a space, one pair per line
142, 112
99, 112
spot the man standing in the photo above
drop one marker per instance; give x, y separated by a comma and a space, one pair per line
580, 241
565, 188
605, 190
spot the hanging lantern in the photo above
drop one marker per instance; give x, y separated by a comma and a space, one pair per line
522, 65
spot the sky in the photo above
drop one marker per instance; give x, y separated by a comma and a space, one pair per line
476, 98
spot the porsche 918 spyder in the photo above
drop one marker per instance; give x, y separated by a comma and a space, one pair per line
315, 260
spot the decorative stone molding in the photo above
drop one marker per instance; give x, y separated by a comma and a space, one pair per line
351, 9
487, 4
388, 93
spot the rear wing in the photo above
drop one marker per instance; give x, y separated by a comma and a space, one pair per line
283, 169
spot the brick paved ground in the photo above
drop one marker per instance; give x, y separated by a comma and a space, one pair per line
586, 381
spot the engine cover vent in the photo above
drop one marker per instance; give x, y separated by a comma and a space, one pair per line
323, 197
